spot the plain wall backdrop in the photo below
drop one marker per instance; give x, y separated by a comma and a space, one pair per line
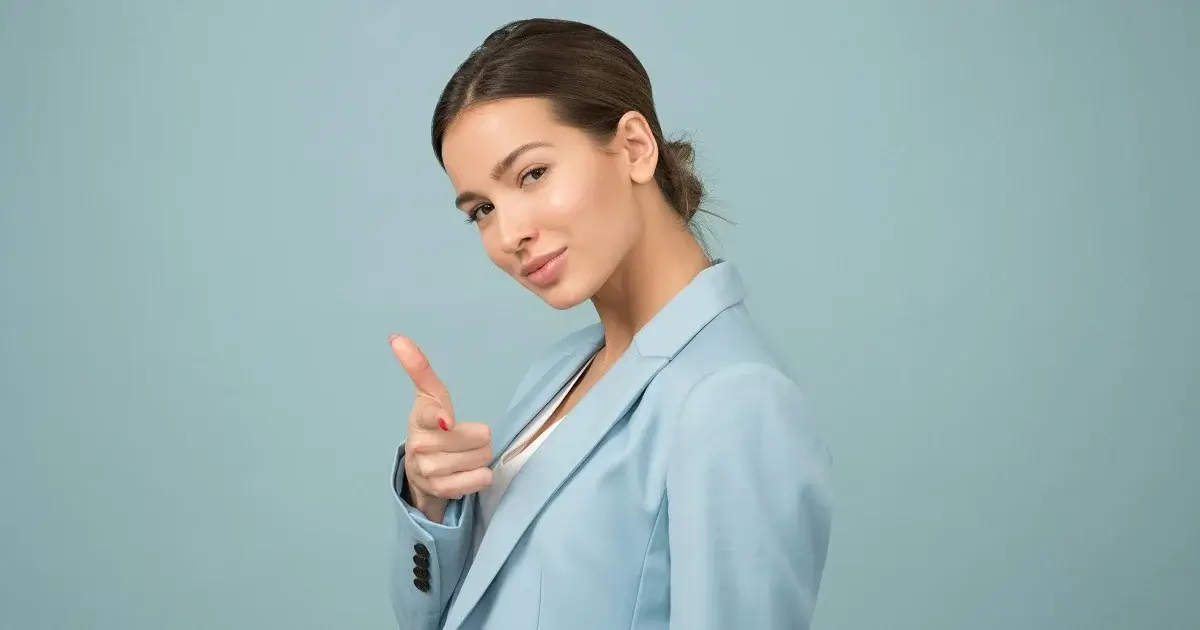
970, 226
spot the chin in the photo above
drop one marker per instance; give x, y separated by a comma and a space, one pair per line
563, 295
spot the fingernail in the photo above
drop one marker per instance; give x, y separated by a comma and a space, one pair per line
442, 424
392, 337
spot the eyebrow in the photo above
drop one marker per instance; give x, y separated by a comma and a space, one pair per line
501, 168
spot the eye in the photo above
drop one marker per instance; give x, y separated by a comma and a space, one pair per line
533, 175
480, 211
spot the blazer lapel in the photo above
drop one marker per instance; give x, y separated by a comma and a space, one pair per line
525, 409
714, 290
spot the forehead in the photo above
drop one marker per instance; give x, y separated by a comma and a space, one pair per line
483, 134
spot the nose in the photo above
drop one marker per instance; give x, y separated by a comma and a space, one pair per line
516, 230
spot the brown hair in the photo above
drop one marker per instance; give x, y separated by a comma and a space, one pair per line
589, 77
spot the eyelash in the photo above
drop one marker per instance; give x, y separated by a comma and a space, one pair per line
473, 214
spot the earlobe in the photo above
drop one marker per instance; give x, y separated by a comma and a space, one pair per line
640, 146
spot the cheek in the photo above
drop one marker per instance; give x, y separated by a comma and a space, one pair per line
494, 249
580, 203
565, 202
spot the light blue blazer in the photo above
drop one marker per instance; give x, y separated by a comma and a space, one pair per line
688, 490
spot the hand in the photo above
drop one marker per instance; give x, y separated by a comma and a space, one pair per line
443, 459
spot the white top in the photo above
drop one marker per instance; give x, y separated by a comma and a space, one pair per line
510, 463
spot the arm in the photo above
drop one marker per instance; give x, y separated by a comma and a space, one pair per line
749, 501
419, 603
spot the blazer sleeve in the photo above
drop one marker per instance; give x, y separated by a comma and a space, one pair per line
749, 502
429, 557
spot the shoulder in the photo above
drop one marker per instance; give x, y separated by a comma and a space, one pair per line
728, 386
745, 423
742, 402
728, 352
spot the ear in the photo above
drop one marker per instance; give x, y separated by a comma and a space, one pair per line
635, 138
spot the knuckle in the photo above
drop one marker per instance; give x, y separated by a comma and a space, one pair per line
413, 466
416, 446
485, 478
421, 466
429, 467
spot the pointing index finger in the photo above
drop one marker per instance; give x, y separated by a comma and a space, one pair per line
417, 366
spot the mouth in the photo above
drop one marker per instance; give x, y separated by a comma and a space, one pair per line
533, 265
544, 270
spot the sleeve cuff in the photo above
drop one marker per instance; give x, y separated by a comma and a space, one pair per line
454, 509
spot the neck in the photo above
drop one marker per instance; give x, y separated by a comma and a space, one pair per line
660, 265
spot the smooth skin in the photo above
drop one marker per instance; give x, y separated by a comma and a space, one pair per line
534, 186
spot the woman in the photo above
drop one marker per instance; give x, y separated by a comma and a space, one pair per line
655, 470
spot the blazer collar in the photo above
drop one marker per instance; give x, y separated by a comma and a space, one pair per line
712, 291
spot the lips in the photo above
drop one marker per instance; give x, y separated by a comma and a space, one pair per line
533, 264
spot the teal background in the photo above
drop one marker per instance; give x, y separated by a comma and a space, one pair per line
971, 227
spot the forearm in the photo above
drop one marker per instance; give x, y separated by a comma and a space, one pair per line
429, 555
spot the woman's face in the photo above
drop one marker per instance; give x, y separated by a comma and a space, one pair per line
554, 210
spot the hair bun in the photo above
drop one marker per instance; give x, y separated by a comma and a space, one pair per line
686, 191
